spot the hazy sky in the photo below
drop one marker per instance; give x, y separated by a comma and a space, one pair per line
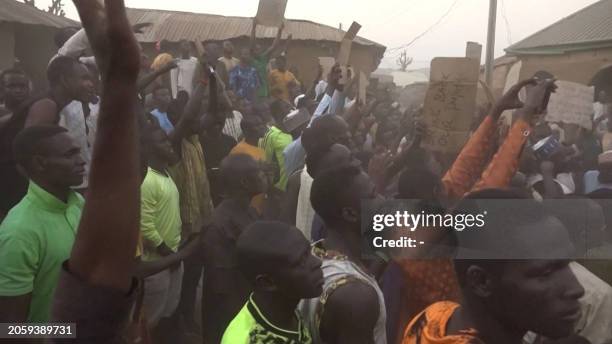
396, 22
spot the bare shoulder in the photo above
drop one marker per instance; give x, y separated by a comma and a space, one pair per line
42, 111
343, 300
355, 302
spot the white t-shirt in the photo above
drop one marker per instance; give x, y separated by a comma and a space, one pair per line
182, 76
82, 130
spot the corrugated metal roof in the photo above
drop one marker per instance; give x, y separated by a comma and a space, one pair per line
18, 12
174, 26
589, 26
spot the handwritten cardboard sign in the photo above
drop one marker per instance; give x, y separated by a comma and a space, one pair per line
450, 103
271, 12
473, 50
363, 86
344, 53
571, 103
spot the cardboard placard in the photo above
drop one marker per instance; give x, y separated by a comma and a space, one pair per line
344, 54
571, 103
363, 86
352, 31
271, 12
450, 103
473, 50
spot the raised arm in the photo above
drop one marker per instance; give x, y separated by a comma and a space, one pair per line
103, 252
275, 43
504, 164
284, 48
311, 92
472, 160
191, 112
253, 38
146, 80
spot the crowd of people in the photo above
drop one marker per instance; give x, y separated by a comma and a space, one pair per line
203, 197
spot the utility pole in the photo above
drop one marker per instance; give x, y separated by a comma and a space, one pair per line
490, 42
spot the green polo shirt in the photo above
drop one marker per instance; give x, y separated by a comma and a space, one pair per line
160, 213
260, 63
36, 237
274, 143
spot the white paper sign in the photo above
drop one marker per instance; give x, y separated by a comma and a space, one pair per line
571, 103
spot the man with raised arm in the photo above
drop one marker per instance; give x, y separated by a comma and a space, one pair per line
96, 285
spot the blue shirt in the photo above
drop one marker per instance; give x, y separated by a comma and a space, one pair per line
591, 182
295, 156
244, 81
164, 122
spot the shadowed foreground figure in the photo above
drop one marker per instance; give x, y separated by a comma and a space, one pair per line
277, 259
504, 299
225, 287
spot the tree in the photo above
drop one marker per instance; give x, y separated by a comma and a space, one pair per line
403, 61
56, 8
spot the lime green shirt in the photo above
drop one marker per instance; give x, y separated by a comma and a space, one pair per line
274, 144
160, 213
250, 326
36, 237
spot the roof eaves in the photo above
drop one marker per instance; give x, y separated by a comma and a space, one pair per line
560, 49
516, 46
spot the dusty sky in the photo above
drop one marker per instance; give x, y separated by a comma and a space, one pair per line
397, 22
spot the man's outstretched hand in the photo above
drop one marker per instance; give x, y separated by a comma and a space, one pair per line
510, 100
111, 37
537, 99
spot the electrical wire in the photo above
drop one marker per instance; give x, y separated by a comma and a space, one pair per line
450, 9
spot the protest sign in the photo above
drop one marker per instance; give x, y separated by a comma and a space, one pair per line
271, 12
344, 53
571, 103
450, 103
473, 50
352, 31
363, 86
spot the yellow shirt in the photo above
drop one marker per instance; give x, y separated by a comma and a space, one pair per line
279, 84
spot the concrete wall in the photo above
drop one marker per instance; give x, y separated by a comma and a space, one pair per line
304, 56
578, 67
34, 47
